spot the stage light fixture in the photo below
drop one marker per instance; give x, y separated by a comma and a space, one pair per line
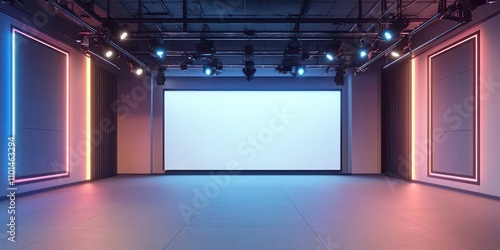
249, 70
401, 48
115, 29
205, 49
333, 50
160, 76
300, 70
134, 68
159, 50
394, 30
109, 52
207, 70
214, 67
184, 67
339, 76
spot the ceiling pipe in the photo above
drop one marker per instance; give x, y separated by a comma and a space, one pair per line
367, 13
260, 20
213, 35
93, 30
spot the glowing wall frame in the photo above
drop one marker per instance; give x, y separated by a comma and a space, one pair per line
476, 93
50, 176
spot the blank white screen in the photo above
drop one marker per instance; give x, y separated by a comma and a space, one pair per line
252, 130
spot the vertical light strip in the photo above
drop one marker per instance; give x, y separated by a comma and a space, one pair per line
13, 83
477, 88
413, 146
88, 82
67, 112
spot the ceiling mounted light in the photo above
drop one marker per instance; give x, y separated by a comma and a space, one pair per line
339, 76
333, 50
205, 49
160, 76
394, 30
249, 70
109, 52
214, 67
300, 70
115, 29
135, 69
156, 45
401, 48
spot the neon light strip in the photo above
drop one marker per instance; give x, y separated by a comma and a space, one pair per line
476, 113
413, 119
88, 65
13, 85
14, 31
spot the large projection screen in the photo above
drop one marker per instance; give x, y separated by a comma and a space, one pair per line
252, 130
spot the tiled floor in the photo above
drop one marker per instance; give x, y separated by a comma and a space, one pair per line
253, 212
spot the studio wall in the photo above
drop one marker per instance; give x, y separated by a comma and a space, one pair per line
137, 153
463, 109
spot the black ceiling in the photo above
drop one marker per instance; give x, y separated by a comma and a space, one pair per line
315, 23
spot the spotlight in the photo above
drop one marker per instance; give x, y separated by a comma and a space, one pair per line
108, 51
249, 70
207, 70
401, 48
333, 50
395, 29
134, 68
115, 29
300, 70
156, 45
363, 53
214, 67
339, 76
160, 76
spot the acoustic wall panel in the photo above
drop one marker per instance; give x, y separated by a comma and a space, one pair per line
454, 111
396, 120
40, 86
103, 123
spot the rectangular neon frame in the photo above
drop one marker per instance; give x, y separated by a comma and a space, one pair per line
474, 180
14, 31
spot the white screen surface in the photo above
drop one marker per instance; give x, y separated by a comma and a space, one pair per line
252, 130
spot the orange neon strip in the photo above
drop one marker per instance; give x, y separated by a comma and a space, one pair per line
413, 73
88, 81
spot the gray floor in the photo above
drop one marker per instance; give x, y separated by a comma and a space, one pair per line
253, 212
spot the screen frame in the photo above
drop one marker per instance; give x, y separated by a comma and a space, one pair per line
341, 142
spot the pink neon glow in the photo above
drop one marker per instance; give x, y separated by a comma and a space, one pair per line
476, 113
14, 31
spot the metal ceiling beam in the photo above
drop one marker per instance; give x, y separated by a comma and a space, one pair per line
241, 36
261, 20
